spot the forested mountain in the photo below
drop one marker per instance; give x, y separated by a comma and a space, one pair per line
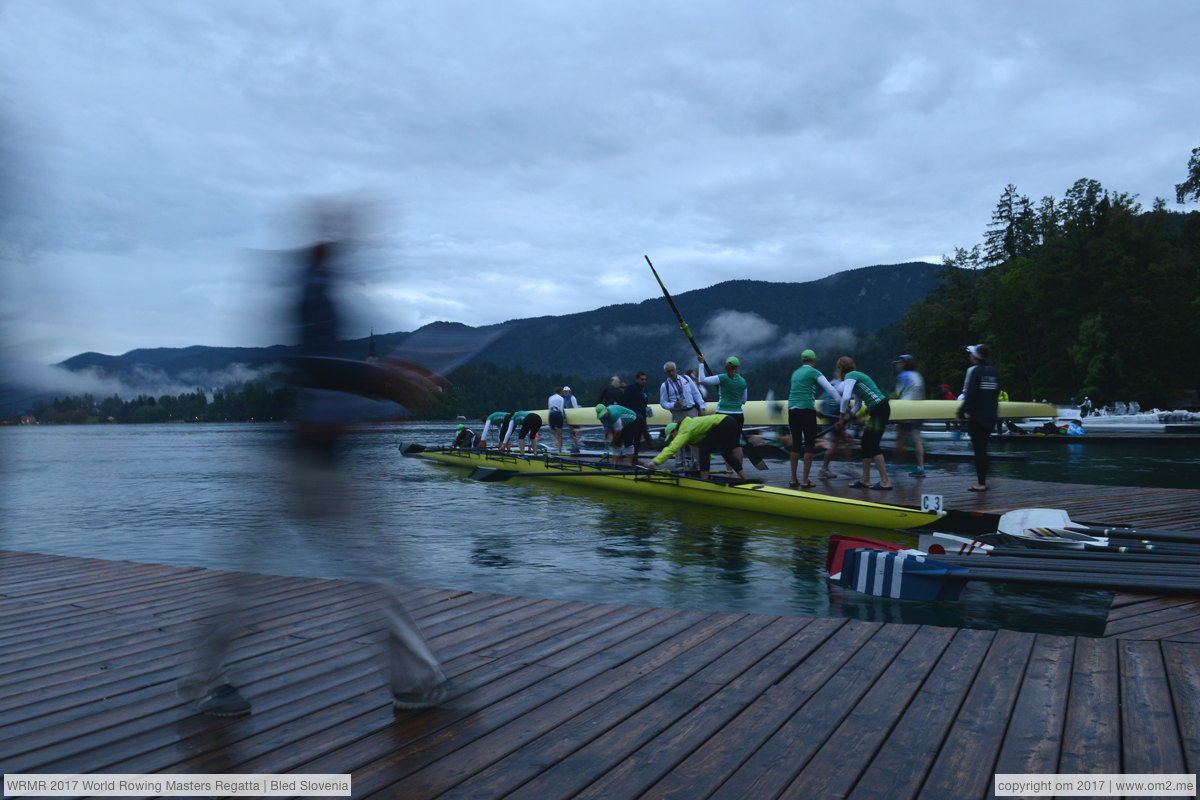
1087, 295
756, 320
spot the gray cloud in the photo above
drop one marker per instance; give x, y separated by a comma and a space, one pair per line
754, 339
517, 155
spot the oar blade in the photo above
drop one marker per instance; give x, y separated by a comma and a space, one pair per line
491, 474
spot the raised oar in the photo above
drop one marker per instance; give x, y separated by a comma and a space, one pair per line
682, 325
751, 452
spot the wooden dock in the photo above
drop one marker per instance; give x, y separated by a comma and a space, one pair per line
559, 699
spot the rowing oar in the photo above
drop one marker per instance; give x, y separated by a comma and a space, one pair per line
682, 325
752, 454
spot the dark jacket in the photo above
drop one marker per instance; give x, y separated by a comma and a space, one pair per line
635, 398
981, 394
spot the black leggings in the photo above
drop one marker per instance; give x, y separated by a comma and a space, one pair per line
725, 436
979, 436
877, 421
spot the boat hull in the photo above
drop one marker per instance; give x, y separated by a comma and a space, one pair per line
753, 497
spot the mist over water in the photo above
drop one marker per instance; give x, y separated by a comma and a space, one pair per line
197, 494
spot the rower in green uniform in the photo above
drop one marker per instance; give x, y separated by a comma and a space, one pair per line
857, 387
495, 419
527, 424
619, 431
802, 414
732, 392
708, 433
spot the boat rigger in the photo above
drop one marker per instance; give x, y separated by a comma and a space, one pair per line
753, 497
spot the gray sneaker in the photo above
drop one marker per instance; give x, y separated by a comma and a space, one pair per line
433, 696
224, 701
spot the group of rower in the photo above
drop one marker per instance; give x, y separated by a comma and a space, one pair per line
850, 395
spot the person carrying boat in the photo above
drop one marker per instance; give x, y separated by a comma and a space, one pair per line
680, 395
526, 424
980, 407
495, 419
571, 401
557, 403
910, 386
802, 415
858, 389
620, 430
711, 432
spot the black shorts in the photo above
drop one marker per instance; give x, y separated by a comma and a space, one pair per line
803, 422
530, 425
631, 434
556, 419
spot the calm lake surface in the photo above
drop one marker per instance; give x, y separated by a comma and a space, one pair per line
212, 495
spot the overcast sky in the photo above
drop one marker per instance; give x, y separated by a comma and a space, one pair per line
518, 159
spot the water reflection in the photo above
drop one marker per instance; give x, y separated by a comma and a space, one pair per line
163, 494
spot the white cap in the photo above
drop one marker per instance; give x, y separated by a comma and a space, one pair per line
566, 388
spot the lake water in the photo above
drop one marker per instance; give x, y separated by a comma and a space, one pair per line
209, 494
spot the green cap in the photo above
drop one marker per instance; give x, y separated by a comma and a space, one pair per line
808, 355
732, 362
669, 431
601, 410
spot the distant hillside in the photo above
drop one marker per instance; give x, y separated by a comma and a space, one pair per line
758, 321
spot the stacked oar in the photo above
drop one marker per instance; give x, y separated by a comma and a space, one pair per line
1117, 559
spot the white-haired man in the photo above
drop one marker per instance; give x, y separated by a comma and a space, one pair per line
680, 395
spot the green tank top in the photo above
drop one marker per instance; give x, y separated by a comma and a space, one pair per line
730, 396
804, 386
865, 389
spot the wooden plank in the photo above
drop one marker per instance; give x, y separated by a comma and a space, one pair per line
1149, 732
776, 763
1151, 615
268, 656
130, 640
356, 744
1129, 605
632, 688
727, 749
1182, 662
965, 766
899, 767
836, 766
1180, 628
612, 728
194, 604
1032, 741
561, 697
1092, 733
276, 730
330, 594
636, 772
58, 705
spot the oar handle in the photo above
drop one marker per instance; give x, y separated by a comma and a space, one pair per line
683, 326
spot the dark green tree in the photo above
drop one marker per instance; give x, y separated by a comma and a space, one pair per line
1190, 188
